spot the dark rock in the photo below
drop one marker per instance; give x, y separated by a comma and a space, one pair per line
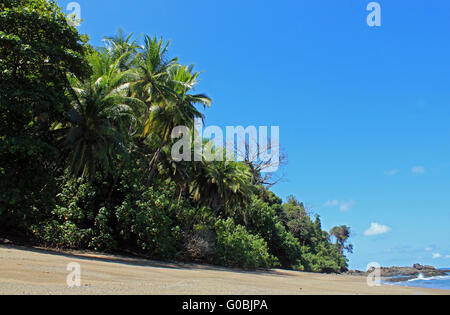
418, 266
356, 273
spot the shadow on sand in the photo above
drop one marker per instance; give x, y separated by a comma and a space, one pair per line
135, 260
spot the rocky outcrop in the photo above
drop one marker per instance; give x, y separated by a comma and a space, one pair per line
420, 267
398, 274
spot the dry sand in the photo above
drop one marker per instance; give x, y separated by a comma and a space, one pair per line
37, 271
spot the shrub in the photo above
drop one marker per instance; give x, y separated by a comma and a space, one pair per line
143, 221
324, 259
237, 248
80, 220
263, 221
135, 219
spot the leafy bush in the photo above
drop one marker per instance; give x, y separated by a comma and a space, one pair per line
237, 248
143, 221
325, 259
135, 219
79, 219
263, 221
62, 234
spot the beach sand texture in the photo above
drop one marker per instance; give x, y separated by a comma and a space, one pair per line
37, 271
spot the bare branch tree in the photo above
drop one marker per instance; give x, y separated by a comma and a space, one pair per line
255, 155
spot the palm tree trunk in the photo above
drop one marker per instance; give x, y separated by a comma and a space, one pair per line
155, 158
153, 164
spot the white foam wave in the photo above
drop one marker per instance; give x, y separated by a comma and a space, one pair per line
422, 278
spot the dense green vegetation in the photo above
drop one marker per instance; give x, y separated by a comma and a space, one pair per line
85, 157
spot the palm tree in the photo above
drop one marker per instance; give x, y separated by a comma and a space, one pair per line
222, 185
120, 47
182, 80
100, 118
179, 111
153, 67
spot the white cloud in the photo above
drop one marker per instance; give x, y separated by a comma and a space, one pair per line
377, 229
428, 249
418, 170
343, 205
436, 255
332, 203
391, 172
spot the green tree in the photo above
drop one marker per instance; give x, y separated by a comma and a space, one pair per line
238, 248
263, 220
342, 234
178, 111
101, 116
153, 65
38, 51
120, 47
222, 185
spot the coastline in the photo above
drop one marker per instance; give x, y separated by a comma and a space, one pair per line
415, 276
39, 271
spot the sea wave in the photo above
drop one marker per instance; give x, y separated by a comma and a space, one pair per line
437, 282
422, 278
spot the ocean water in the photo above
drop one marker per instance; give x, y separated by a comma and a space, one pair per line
439, 282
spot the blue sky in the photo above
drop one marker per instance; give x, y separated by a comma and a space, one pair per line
364, 113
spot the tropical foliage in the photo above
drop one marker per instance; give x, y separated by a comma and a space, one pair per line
85, 138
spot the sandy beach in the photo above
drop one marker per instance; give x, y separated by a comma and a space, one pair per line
38, 271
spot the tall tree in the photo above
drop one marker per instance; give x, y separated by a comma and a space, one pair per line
178, 111
121, 47
101, 116
153, 69
38, 51
342, 234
